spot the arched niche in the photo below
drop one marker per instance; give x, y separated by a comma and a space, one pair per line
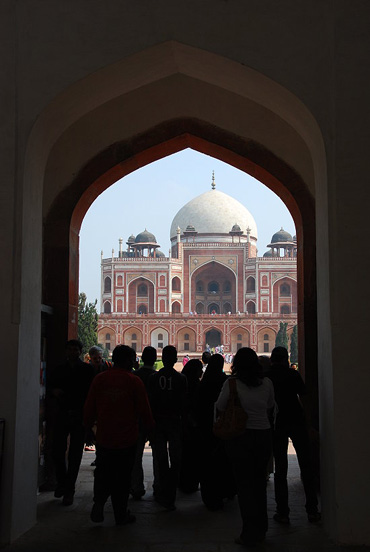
159, 338
176, 284
176, 307
133, 338
107, 337
186, 340
140, 296
285, 294
239, 337
265, 340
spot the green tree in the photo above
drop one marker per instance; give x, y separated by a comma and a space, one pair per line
282, 336
294, 346
87, 323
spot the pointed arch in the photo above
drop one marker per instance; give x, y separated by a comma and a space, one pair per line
176, 307
107, 337
260, 112
159, 338
107, 284
265, 340
186, 340
251, 284
133, 337
251, 307
140, 295
213, 283
239, 337
176, 284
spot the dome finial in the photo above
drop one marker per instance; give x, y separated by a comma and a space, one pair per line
213, 180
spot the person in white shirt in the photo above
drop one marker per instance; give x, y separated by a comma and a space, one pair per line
250, 453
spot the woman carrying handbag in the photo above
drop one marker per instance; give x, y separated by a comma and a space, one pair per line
250, 452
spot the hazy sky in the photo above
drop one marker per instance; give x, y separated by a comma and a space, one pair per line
150, 198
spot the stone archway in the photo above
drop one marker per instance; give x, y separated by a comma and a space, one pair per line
61, 186
148, 147
290, 174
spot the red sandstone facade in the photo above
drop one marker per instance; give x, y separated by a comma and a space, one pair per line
213, 288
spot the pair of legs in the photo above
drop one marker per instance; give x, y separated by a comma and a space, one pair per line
167, 451
214, 461
300, 439
112, 477
249, 455
66, 472
190, 469
137, 478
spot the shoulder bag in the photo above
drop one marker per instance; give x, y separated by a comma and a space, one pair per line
230, 423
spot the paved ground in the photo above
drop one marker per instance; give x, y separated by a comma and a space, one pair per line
191, 528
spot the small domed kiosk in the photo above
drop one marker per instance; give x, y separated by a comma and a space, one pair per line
145, 244
282, 245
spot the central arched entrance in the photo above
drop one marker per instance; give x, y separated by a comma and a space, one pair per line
213, 338
214, 286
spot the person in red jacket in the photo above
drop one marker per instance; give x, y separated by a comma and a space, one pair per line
116, 403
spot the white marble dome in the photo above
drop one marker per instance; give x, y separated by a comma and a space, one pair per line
213, 213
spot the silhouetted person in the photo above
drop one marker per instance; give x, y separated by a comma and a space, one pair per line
290, 423
189, 472
265, 364
250, 452
148, 357
69, 384
216, 478
96, 360
117, 402
167, 395
205, 358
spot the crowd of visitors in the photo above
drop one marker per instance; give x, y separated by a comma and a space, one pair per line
119, 408
219, 350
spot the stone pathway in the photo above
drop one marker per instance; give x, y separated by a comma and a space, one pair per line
191, 528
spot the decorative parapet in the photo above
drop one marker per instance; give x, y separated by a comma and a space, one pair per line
123, 260
213, 245
187, 316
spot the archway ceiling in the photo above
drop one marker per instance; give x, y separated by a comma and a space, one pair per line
104, 113
108, 131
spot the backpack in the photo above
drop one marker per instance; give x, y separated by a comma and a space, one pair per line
230, 423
